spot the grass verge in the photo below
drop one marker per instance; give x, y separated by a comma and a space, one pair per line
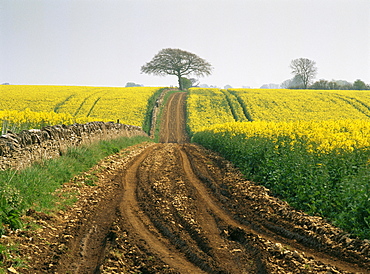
149, 111
159, 118
33, 187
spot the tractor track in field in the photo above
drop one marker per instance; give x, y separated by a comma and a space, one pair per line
175, 207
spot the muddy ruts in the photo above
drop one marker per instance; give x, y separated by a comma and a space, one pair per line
87, 238
179, 212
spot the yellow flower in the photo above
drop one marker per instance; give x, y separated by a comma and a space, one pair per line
49, 105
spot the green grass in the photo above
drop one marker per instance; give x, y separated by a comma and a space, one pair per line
34, 186
159, 118
9, 257
149, 111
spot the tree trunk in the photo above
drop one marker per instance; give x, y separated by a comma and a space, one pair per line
180, 82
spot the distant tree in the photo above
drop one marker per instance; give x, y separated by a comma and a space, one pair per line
321, 84
270, 86
333, 85
339, 85
286, 83
359, 85
203, 86
194, 82
305, 69
132, 84
294, 83
227, 87
177, 62
185, 83
342, 83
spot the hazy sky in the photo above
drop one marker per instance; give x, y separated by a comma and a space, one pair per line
248, 42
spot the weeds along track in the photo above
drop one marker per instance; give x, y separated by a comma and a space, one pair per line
175, 207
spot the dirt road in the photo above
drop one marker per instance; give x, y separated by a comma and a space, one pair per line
174, 207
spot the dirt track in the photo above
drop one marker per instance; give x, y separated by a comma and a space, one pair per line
175, 207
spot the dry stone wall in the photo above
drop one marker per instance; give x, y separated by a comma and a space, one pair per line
20, 150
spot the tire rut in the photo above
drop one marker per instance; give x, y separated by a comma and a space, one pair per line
91, 235
173, 125
141, 222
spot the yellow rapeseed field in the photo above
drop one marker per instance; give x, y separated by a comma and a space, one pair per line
39, 105
25, 119
334, 119
207, 107
322, 136
291, 105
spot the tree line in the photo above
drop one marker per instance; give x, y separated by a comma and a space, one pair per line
181, 63
305, 70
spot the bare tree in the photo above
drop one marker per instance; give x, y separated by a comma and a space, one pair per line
177, 62
305, 69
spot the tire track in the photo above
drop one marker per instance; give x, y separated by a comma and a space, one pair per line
180, 214
173, 126
355, 103
142, 224
92, 236
211, 211
165, 135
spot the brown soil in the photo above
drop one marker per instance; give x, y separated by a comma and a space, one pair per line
175, 207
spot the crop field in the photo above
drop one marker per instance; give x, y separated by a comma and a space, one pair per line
311, 148
290, 105
214, 106
208, 107
23, 107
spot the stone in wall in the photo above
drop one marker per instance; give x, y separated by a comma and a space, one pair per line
20, 150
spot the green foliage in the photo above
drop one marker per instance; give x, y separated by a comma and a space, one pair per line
149, 110
132, 84
334, 185
159, 117
177, 62
185, 83
10, 204
359, 85
9, 257
323, 84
